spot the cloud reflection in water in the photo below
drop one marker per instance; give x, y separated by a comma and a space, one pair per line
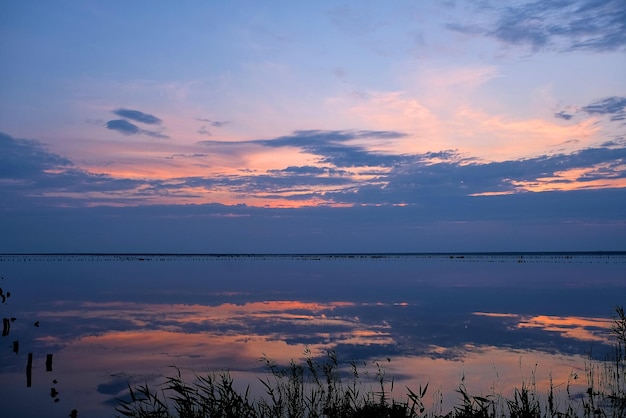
124, 336
490, 319
578, 328
197, 330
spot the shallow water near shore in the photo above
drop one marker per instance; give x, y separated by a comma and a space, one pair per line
96, 323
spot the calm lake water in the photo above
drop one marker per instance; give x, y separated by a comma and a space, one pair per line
95, 323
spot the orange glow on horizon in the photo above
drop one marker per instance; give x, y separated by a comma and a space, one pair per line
201, 196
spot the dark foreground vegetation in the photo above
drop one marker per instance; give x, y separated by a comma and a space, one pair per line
321, 389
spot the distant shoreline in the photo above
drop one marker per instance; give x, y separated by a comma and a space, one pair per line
318, 256
340, 254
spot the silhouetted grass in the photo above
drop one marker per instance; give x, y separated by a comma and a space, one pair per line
317, 389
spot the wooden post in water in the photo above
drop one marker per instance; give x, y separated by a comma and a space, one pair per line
29, 371
6, 326
48, 362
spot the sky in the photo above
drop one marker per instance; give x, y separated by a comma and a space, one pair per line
327, 126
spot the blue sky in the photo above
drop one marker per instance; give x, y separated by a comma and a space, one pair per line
313, 126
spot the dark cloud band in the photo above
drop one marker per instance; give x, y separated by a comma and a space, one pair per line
28, 169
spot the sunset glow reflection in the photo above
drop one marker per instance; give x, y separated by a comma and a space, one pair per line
580, 328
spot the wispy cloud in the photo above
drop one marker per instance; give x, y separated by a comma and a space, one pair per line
125, 127
614, 107
204, 129
563, 115
214, 123
138, 116
563, 25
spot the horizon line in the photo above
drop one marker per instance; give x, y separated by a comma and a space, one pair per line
325, 254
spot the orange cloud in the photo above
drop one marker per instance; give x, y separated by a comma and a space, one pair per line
462, 126
399, 112
576, 179
499, 137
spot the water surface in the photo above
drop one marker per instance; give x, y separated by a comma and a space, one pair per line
493, 320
